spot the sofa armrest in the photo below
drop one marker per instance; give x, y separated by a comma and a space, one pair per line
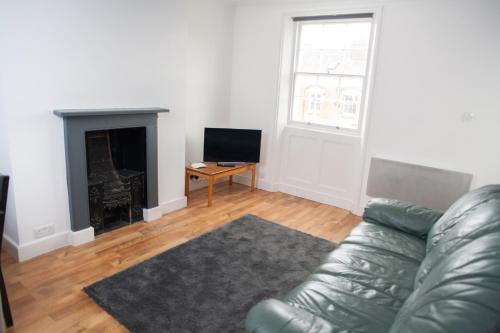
407, 217
274, 316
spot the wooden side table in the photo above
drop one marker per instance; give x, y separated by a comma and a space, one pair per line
212, 172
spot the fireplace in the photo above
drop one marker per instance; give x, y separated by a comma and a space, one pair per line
116, 174
111, 166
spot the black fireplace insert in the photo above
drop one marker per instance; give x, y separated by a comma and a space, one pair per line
117, 177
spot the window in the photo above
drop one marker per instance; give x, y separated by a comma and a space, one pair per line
329, 74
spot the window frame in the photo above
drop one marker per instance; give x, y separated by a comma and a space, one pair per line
365, 77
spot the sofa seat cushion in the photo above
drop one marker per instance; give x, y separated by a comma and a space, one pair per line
362, 284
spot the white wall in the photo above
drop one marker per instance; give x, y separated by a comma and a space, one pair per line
86, 54
254, 83
209, 70
209, 73
436, 60
10, 226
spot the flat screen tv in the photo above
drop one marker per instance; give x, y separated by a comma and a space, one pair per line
231, 145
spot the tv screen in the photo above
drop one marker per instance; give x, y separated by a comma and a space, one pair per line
231, 145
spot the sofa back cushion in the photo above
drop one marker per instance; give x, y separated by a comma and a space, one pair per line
467, 219
460, 211
457, 287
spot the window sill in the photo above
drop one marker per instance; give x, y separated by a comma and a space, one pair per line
323, 130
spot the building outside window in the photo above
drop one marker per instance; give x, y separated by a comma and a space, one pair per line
313, 99
349, 102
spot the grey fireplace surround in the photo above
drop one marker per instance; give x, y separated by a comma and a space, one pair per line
79, 121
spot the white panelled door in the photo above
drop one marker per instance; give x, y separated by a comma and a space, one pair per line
320, 166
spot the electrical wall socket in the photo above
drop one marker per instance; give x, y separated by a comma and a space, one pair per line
44, 230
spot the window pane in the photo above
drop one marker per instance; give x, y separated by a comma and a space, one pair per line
327, 100
335, 48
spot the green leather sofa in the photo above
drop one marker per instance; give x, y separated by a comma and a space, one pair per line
405, 268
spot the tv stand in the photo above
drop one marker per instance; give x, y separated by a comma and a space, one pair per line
212, 172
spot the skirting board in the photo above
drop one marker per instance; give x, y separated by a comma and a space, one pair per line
358, 210
173, 205
151, 214
202, 183
10, 247
321, 197
50, 243
166, 207
300, 192
43, 245
259, 183
81, 237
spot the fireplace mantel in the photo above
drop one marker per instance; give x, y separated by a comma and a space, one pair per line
66, 113
76, 123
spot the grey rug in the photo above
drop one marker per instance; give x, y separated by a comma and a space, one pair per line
210, 283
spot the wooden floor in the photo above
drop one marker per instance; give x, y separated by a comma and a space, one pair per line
46, 292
